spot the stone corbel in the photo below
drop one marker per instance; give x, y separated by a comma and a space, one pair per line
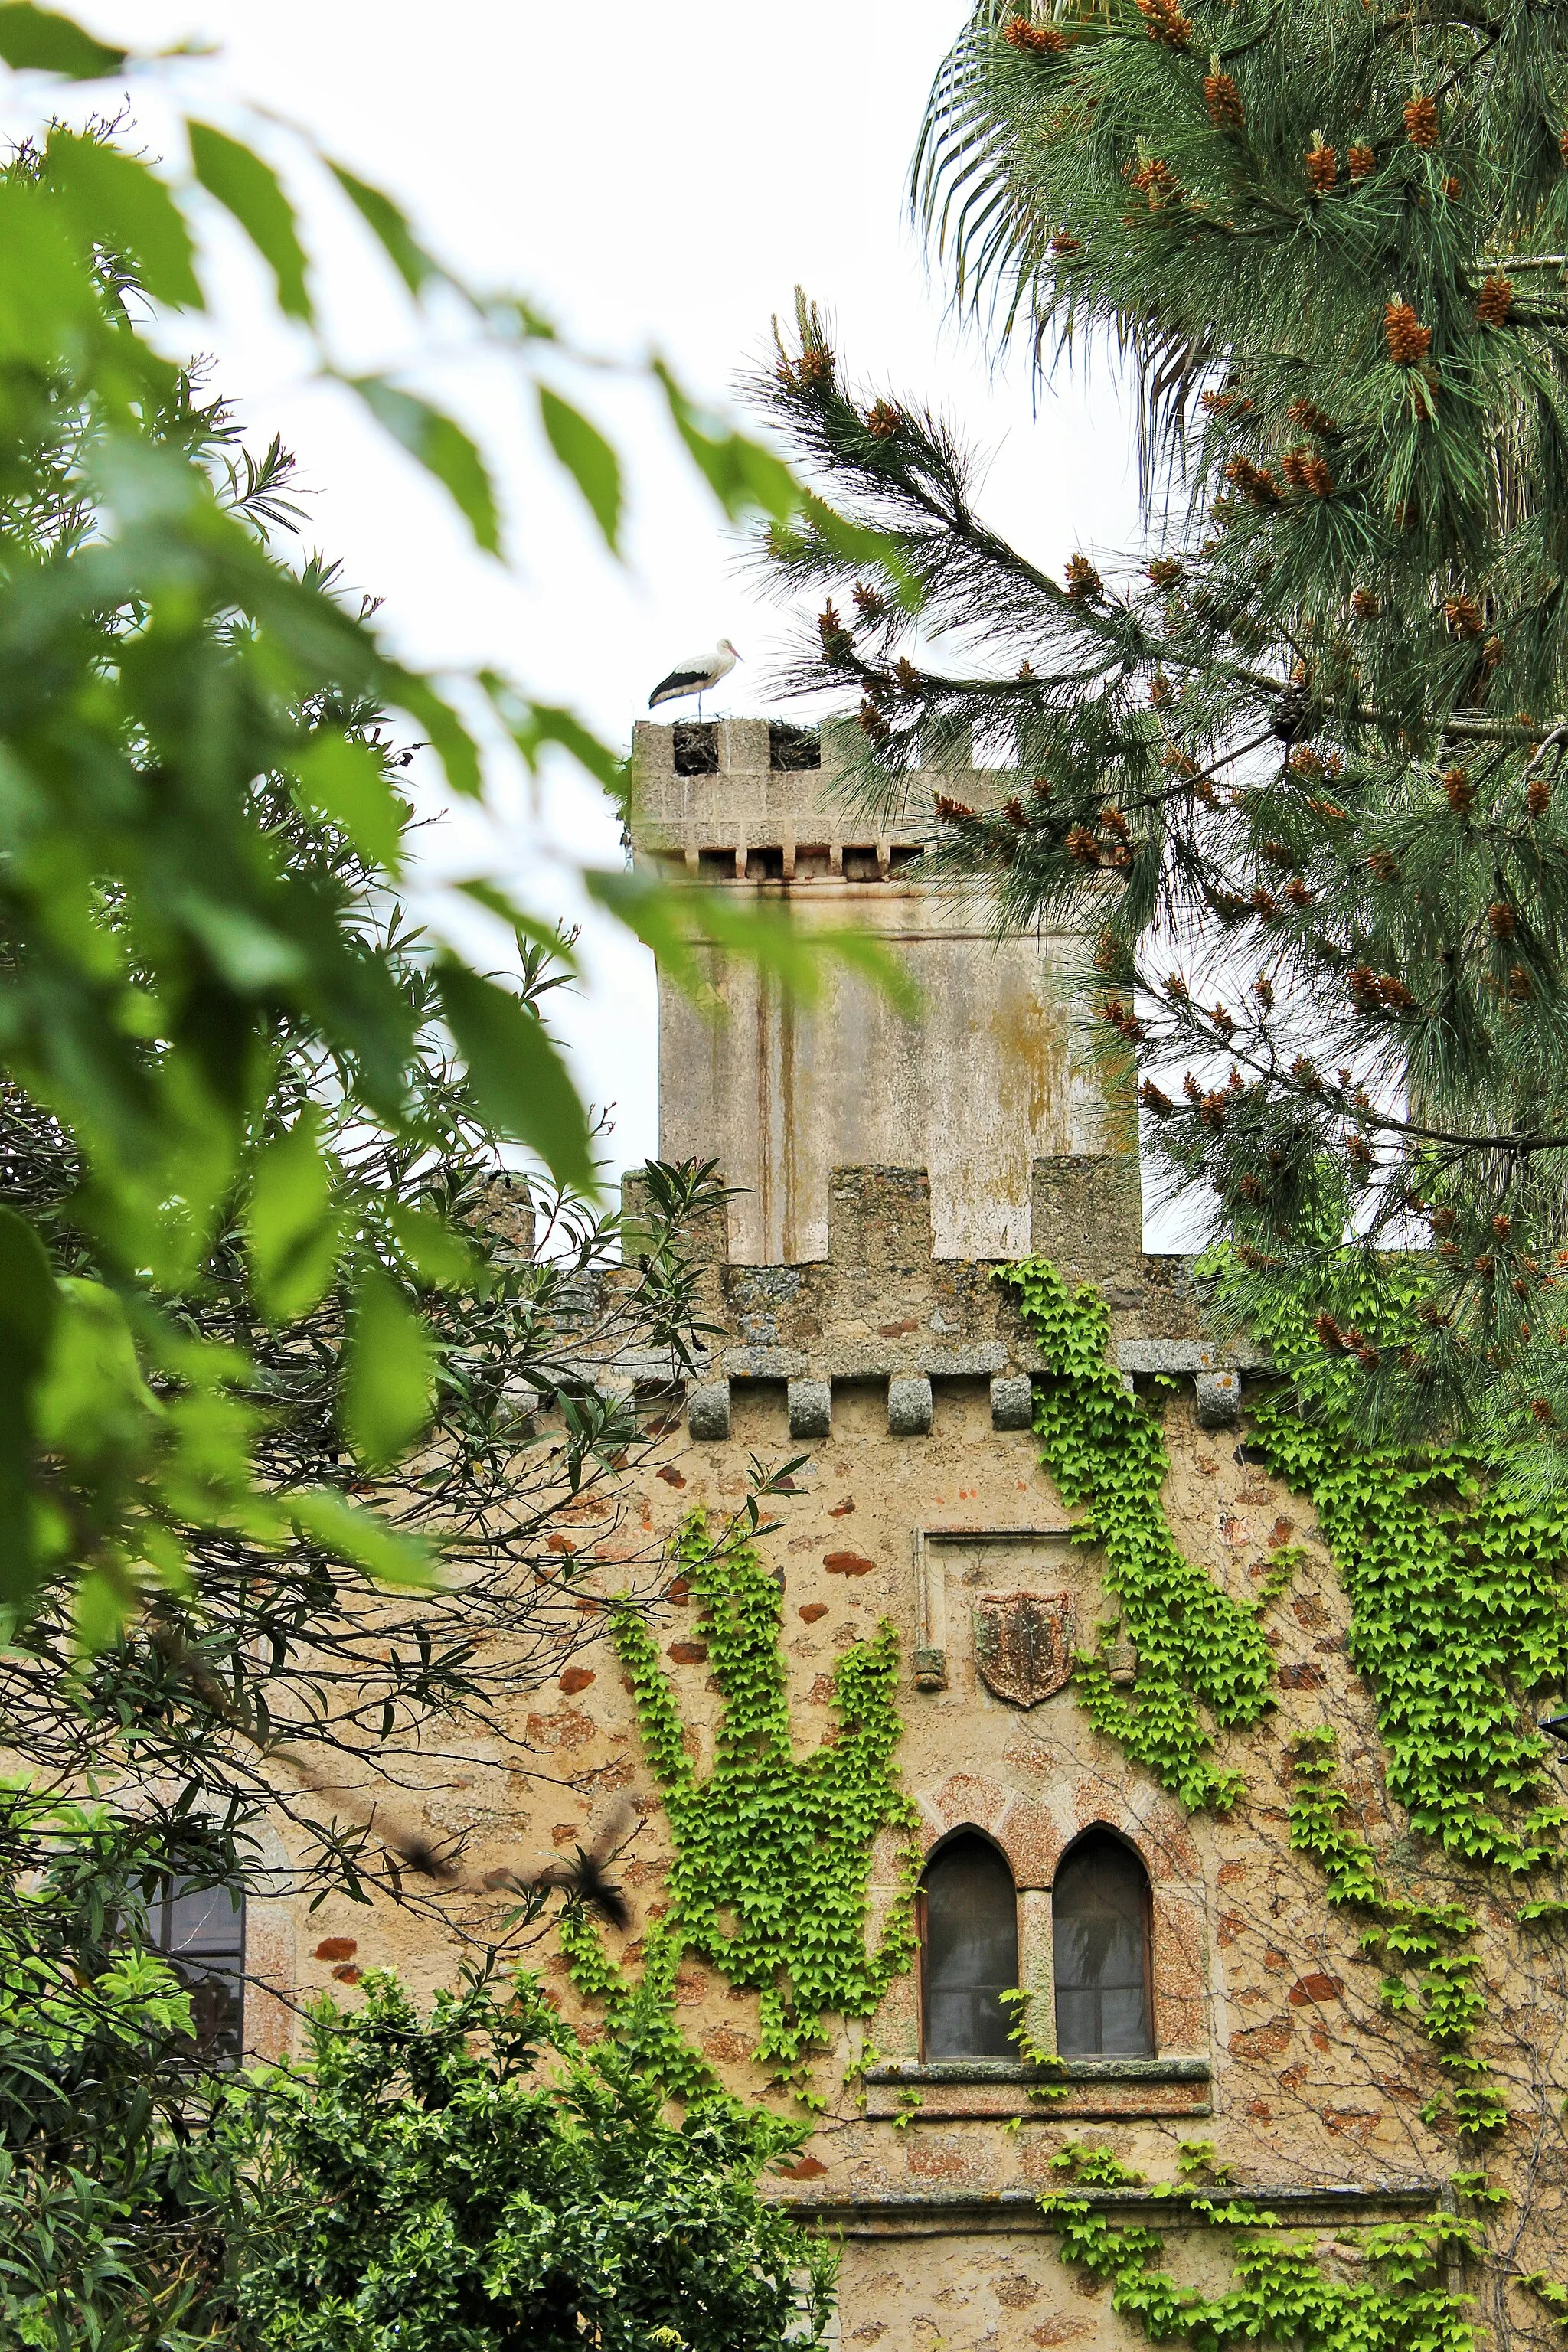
1216, 1372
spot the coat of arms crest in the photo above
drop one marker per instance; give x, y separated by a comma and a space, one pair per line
1023, 1644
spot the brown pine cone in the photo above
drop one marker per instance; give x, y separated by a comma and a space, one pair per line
1463, 616
1495, 301
1365, 605
1421, 121
1323, 168
1361, 162
1223, 100
1408, 341
883, 420
1253, 482
1044, 39
1083, 582
1538, 796
1460, 791
1166, 23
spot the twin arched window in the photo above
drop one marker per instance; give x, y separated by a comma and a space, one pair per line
1099, 1934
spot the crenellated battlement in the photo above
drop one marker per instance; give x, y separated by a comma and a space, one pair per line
885, 1309
752, 800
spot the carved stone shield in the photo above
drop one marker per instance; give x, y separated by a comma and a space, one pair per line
1023, 1644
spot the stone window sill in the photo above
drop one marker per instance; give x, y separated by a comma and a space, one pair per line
932, 2090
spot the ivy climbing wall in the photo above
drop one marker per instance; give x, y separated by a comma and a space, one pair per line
1302, 1691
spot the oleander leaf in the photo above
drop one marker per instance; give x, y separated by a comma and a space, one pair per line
519, 1078
250, 189
390, 1369
588, 458
38, 40
113, 199
443, 449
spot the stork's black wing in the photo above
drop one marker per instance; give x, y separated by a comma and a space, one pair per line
678, 682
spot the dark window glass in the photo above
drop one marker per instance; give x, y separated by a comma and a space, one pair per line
200, 1931
971, 1951
1100, 1932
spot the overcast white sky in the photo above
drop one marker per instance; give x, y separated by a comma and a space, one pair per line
654, 177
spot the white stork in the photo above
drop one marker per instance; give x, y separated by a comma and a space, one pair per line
695, 676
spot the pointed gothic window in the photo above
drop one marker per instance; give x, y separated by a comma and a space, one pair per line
1099, 1934
969, 1949
200, 1931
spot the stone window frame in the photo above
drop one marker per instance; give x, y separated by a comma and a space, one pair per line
963, 1828
1098, 1828
1034, 1833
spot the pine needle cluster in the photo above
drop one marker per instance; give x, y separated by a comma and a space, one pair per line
1295, 777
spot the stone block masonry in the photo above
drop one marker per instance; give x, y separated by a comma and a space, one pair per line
887, 1165
991, 1076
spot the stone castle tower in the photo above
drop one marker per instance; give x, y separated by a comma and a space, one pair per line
1181, 1967
889, 1161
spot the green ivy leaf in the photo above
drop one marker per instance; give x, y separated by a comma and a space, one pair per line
588, 458
442, 448
250, 190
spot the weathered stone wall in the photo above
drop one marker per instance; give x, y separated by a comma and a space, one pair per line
860, 1325
1271, 2042
990, 1076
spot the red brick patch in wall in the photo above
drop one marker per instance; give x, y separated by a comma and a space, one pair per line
1307, 1676
1260, 2042
1316, 1986
688, 1654
567, 1729
337, 1948
842, 1511
810, 2168
347, 1975
812, 1611
670, 1474
847, 1563
576, 1679
724, 2042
